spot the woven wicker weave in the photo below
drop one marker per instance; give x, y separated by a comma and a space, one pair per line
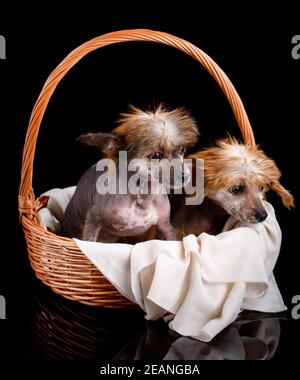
56, 260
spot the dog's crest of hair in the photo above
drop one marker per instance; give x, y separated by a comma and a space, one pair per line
162, 127
229, 160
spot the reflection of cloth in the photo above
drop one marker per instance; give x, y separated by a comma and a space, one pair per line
242, 340
200, 284
251, 339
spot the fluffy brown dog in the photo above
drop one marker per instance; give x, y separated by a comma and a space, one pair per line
236, 179
143, 136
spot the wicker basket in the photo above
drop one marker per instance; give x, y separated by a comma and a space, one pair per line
57, 261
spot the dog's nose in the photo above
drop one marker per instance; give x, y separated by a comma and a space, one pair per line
261, 215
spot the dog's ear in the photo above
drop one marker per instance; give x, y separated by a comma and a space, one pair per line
273, 174
286, 196
108, 143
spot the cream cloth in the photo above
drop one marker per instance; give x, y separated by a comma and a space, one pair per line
200, 284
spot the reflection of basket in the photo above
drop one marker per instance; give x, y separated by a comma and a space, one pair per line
57, 261
65, 330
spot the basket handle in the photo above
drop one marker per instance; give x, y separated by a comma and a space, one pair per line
26, 195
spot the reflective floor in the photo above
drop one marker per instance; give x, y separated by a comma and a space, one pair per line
63, 329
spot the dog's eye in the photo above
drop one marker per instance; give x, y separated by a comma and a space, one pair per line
261, 188
236, 189
156, 156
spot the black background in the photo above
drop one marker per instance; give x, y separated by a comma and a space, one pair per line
251, 45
